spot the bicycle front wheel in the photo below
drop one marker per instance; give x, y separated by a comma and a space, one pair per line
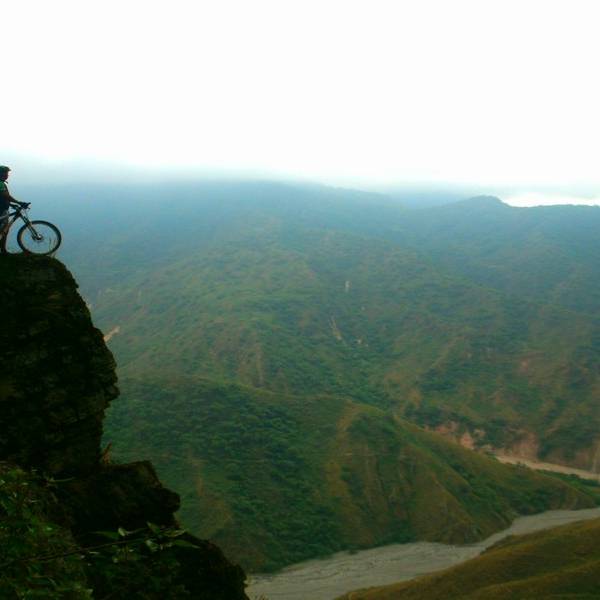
39, 237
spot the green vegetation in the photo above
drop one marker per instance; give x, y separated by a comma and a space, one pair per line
39, 558
27, 534
563, 563
475, 313
274, 478
272, 337
274, 311
587, 486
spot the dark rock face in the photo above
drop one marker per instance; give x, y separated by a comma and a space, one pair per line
57, 377
112, 494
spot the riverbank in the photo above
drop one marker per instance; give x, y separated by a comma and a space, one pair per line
326, 579
544, 466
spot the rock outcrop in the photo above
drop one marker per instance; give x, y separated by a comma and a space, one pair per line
57, 377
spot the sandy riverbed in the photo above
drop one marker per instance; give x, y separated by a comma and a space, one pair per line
328, 578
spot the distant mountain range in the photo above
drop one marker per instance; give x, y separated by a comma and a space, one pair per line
474, 318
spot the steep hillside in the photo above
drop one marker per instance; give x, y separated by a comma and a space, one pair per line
275, 479
549, 254
73, 524
57, 375
557, 563
308, 312
474, 318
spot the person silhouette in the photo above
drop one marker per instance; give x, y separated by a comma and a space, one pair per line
5, 197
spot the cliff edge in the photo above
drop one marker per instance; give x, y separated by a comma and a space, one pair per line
57, 378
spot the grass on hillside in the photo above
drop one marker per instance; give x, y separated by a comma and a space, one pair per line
318, 311
561, 563
275, 479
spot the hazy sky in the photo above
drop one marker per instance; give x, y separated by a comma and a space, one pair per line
339, 91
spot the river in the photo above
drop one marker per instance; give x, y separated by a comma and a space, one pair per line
328, 578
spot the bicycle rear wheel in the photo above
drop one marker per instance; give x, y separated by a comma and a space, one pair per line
39, 237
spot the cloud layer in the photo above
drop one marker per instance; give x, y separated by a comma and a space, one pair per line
342, 91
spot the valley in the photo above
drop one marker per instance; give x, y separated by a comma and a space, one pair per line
558, 562
308, 476
281, 347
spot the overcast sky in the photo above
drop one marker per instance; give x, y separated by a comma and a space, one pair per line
345, 92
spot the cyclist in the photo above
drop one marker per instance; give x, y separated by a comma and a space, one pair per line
5, 197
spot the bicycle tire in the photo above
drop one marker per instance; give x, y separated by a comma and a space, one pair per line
47, 244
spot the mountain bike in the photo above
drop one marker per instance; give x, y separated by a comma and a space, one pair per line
34, 237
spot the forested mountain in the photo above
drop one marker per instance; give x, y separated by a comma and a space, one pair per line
473, 317
549, 254
276, 479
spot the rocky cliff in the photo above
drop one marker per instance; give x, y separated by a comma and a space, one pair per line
56, 379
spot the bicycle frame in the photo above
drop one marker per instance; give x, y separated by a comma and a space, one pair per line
18, 213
